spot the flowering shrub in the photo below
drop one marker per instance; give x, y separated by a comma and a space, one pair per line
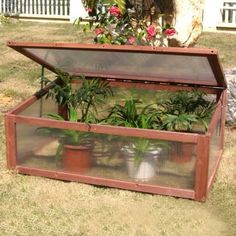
127, 27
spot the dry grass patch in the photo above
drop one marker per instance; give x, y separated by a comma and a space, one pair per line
39, 206
224, 42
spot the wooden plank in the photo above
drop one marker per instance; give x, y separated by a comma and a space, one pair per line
141, 49
141, 187
201, 168
113, 130
211, 55
11, 149
217, 70
160, 86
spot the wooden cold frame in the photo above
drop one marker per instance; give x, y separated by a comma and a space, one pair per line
203, 182
202, 185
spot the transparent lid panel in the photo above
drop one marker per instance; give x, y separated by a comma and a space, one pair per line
164, 163
193, 69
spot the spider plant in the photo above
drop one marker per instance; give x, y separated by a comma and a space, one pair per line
133, 115
183, 109
80, 102
84, 99
64, 136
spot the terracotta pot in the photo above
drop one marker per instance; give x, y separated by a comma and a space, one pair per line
76, 158
182, 152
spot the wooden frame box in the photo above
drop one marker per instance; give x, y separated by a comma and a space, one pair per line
125, 67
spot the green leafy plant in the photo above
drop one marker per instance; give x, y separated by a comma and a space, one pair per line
82, 100
116, 24
179, 122
130, 27
133, 115
182, 109
64, 136
4, 19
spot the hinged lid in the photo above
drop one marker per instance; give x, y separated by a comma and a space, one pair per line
141, 63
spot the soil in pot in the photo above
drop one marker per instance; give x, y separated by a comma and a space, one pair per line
76, 158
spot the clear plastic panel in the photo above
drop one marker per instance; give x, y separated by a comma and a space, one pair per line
155, 162
45, 105
41, 107
192, 69
214, 148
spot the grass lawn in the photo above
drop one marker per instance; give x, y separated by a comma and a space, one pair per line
38, 206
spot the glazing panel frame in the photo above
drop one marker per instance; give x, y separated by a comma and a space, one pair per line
202, 185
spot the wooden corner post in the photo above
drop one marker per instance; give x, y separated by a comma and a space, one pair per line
10, 131
202, 163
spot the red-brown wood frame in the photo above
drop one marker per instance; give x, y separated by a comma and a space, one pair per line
210, 54
141, 187
202, 181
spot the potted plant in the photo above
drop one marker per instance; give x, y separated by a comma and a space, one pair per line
74, 146
185, 111
79, 104
141, 153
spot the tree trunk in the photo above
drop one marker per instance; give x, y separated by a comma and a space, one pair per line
187, 22
184, 15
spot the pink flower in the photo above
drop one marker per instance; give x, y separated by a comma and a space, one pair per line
151, 31
149, 37
89, 10
99, 31
115, 11
170, 32
131, 40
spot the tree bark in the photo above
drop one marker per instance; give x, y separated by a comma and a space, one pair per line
184, 15
188, 15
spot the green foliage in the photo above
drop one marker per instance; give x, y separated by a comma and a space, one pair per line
82, 100
178, 122
182, 109
85, 98
131, 114
113, 23
179, 111
129, 27
4, 19
65, 136
120, 4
